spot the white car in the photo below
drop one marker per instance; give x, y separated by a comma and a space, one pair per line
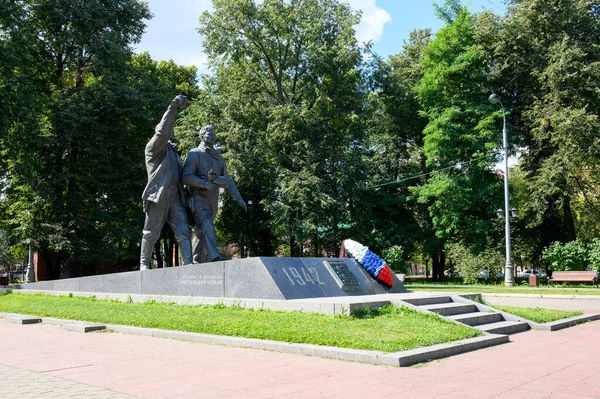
529, 272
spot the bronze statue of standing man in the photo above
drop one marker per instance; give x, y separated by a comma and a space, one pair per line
163, 197
205, 173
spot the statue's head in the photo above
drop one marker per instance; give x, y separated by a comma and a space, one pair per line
207, 135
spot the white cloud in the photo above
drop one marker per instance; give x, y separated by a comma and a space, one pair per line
372, 21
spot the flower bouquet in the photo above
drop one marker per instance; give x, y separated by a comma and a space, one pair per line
371, 262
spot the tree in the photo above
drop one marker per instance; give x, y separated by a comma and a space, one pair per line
461, 135
546, 64
73, 130
385, 216
286, 87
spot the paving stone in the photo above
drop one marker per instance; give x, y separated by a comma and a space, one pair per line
18, 384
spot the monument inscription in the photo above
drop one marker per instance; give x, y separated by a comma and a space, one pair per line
342, 275
202, 280
302, 275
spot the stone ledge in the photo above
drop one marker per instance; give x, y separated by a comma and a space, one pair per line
83, 328
18, 319
419, 355
564, 323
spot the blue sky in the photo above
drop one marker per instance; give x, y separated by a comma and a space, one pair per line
172, 34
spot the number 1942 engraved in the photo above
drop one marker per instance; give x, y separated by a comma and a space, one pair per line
304, 276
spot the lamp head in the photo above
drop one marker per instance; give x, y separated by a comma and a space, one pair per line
500, 213
494, 98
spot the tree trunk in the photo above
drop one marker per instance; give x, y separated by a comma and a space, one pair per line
176, 252
292, 246
442, 265
242, 250
64, 264
568, 222
434, 267
315, 244
168, 251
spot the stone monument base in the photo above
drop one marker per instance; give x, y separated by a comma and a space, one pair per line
253, 278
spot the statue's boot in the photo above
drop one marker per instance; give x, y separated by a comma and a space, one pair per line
146, 254
186, 251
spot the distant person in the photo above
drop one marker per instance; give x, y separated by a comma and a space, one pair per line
163, 196
205, 173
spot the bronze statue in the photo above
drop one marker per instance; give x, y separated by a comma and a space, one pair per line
205, 173
163, 197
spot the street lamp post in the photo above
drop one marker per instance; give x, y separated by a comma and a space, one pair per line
509, 278
250, 252
30, 273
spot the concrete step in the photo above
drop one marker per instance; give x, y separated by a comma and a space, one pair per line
452, 308
477, 318
429, 300
504, 327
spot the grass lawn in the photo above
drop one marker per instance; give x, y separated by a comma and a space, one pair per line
537, 314
500, 289
387, 329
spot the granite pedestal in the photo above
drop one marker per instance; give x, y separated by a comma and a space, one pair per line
252, 278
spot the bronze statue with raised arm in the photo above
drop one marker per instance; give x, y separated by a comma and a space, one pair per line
163, 197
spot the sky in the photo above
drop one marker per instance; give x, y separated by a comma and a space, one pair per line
172, 34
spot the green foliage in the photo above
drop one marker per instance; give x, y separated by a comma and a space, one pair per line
395, 257
285, 97
572, 255
80, 112
325, 143
386, 329
545, 58
469, 265
7, 261
594, 254
383, 215
460, 137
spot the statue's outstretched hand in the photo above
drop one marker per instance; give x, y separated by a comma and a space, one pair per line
180, 101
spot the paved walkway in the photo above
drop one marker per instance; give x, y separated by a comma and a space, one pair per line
20, 383
42, 360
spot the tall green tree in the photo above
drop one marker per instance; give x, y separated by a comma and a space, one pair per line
290, 71
67, 135
385, 217
461, 135
545, 55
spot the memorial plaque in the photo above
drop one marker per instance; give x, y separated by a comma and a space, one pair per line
342, 275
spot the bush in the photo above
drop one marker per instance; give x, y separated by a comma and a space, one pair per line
469, 265
395, 258
594, 254
572, 255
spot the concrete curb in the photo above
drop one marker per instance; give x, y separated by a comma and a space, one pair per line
395, 359
570, 322
83, 327
419, 355
18, 319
